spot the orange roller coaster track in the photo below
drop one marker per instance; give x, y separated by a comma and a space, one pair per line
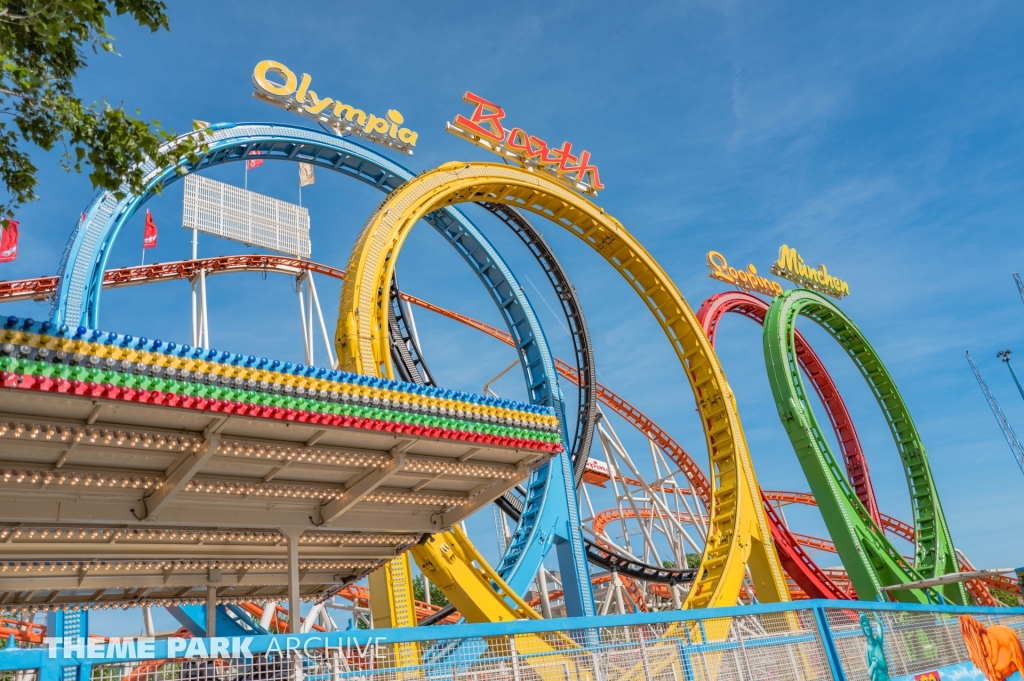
42, 288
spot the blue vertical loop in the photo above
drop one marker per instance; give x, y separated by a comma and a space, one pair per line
551, 516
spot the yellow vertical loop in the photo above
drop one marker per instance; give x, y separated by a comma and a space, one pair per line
738, 532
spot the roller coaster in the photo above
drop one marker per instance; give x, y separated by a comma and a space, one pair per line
746, 551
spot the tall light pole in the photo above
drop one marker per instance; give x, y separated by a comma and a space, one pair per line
1005, 356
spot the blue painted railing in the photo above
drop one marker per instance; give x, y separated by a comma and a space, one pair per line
725, 643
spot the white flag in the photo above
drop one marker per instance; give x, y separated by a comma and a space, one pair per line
306, 174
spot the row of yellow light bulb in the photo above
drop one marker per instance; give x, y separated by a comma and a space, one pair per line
120, 437
321, 493
91, 479
221, 536
96, 479
164, 360
156, 603
87, 479
238, 448
149, 565
316, 455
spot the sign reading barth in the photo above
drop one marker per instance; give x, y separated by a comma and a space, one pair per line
241, 215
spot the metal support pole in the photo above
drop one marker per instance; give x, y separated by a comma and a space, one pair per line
315, 300
195, 313
306, 341
487, 386
147, 620
309, 321
545, 600
677, 601
195, 299
782, 514
205, 338
268, 615
1014, 374
620, 602
292, 534
211, 611
831, 652
609, 594
311, 617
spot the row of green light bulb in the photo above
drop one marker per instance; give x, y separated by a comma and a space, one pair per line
138, 382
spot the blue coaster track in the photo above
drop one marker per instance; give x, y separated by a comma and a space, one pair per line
551, 516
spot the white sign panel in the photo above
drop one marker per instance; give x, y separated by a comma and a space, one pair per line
241, 215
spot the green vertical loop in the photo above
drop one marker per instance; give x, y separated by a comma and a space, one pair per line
867, 554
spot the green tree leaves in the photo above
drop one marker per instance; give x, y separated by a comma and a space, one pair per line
43, 45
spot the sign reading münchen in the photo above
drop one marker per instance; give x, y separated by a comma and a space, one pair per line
791, 266
240, 215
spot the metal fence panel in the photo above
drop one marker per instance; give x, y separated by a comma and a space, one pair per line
815, 641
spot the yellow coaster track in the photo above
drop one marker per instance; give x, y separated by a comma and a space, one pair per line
738, 532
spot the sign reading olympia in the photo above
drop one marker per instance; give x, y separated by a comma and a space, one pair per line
484, 129
745, 280
294, 95
791, 266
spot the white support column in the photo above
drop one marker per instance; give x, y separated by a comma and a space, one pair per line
211, 611
677, 600
195, 313
309, 321
292, 534
545, 600
306, 340
311, 617
195, 298
147, 621
620, 602
268, 614
205, 337
782, 514
609, 594
315, 301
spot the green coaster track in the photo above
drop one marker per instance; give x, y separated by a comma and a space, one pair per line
870, 559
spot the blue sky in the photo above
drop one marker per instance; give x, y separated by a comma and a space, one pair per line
883, 140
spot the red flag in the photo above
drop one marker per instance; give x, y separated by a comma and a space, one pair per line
9, 242
254, 162
149, 237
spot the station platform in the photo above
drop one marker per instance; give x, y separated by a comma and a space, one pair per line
141, 472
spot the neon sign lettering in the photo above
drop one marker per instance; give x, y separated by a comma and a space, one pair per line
745, 280
791, 266
294, 95
484, 129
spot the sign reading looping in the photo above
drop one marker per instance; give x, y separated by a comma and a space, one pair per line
745, 280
